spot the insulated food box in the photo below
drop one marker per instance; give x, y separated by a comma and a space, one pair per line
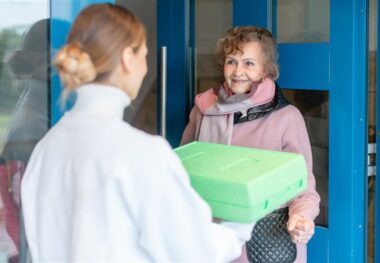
243, 184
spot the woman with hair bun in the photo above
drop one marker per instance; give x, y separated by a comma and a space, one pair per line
97, 189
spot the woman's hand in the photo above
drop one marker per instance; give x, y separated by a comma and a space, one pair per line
300, 229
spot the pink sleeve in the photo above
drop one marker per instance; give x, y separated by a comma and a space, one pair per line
190, 130
295, 139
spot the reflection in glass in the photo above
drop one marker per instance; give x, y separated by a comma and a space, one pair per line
30, 70
313, 105
207, 32
24, 117
143, 111
303, 21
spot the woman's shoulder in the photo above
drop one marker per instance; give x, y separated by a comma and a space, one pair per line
284, 117
288, 111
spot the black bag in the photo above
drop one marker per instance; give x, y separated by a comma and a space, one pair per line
270, 240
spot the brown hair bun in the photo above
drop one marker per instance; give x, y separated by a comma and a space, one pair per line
74, 66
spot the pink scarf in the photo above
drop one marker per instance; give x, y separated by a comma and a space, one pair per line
218, 107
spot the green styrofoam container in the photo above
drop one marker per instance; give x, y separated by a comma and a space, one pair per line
243, 184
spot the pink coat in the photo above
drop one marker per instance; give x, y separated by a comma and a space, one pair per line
281, 130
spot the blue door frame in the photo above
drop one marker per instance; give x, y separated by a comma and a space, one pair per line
339, 67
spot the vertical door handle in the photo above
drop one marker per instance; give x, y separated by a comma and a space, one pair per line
163, 90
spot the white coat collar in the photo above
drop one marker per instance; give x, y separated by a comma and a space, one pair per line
100, 100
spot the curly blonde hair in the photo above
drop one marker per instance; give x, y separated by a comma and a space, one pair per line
236, 37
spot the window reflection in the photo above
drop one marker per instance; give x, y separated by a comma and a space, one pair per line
24, 89
314, 106
29, 67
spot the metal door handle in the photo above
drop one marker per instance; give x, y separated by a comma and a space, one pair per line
163, 90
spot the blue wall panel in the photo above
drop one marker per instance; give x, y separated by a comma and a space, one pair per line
248, 12
304, 66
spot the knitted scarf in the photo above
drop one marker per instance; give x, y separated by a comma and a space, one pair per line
218, 107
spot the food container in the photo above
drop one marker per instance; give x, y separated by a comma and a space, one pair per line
243, 184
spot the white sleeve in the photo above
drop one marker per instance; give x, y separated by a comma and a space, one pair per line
176, 224
243, 231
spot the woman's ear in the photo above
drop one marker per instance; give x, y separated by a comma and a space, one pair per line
127, 59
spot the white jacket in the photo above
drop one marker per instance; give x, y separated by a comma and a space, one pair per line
97, 189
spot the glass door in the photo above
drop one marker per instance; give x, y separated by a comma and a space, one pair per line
303, 28
323, 71
24, 107
308, 30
